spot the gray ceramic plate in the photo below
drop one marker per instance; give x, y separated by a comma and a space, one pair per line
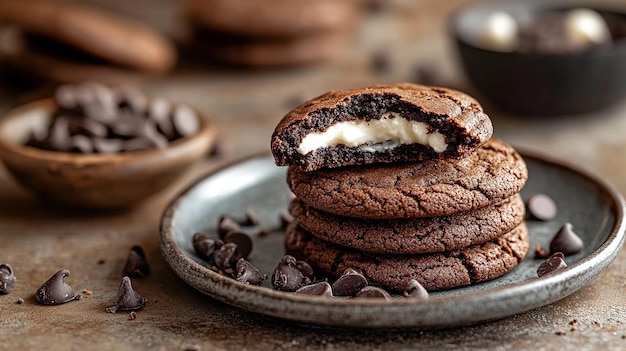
593, 207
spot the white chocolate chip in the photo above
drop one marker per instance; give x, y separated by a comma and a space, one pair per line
586, 27
500, 32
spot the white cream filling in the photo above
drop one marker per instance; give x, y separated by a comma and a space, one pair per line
387, 132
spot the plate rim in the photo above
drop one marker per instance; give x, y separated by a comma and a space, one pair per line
589, 266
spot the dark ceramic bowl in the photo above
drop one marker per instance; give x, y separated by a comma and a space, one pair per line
539, 83
93, 181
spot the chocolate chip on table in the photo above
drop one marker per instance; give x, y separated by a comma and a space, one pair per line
7, 278
226, 258
287, 277
319, 289
566, 241
248, 273
415, 290
136, 264
55, 291
373, 292
242, 240
206, 246
349, 283
551, 264
541, 207
127, 298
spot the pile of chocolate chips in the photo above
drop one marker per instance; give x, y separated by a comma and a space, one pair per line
91, 118
228, 256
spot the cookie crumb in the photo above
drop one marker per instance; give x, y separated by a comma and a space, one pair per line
560, 333
87, 292
19, 301
540, 252
132, 315
101, 261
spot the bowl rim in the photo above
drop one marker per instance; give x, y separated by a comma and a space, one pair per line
206, 129
536, 6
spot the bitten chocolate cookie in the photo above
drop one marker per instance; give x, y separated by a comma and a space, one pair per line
413, 190
436, 271
412, 236
380, 124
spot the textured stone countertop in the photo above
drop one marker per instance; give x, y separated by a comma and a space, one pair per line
37, 239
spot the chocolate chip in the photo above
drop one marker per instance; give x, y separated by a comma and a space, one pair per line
108, 146
226, 257
242, 240
541, 207
227, 224
415, 290
55, 291
136, 264
248, 273
7, 278
381, 60
287, 277
131, 99
373, 292
566, 241
319, 289
81, 144
206, 246
185, 121
349, 283
127, 298
551, 264
65, 97
306, 269
138, 144
252, 218
60, 134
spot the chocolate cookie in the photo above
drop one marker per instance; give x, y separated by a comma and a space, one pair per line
271, 18
412, 236
96, 36
435, 271
269, 53
412, 190
385, 123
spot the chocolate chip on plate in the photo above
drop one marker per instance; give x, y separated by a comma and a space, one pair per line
319, 289
226, 258
206, 246
373, 292
136, 264
227, 224
566, 241
248, 273
127, 298
55, 291
415, 290
349, 283
305, 269
242, 240
7, 278
541, 207
551, 264
287, 276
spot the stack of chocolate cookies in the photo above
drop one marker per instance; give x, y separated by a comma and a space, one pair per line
269, 33
402, 182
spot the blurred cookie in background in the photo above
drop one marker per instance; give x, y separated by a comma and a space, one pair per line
269, 33
62, 42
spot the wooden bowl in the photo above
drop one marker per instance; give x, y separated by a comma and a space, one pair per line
93, 181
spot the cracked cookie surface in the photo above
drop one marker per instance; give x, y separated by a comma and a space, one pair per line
412, 236
414, 190
435, 271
